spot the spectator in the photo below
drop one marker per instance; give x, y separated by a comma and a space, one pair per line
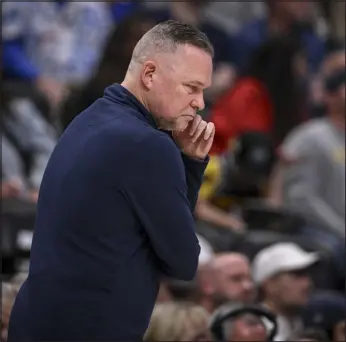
178, 322
191, 12
53, 44
312, 176
241, 173
284, 18
327, 312
113, 65
234, 277
226, 278
236, 322
269, 97
280, 272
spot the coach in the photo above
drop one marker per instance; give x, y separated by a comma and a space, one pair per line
115, 206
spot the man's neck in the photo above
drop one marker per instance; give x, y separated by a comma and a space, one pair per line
185, 12
130, 85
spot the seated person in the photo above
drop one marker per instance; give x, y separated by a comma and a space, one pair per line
178, 321
310, 177
240, 174
239, 322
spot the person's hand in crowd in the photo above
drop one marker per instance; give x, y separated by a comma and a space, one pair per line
53, 90
197, 138
208, 212
236, 224
11, 188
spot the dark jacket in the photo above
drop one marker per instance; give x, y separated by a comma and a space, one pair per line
114, 217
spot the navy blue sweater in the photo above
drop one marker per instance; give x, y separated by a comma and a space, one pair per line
114, 216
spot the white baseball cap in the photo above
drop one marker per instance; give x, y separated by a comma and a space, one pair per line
278, 258
207, 253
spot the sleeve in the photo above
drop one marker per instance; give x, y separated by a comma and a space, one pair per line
158, 195
194, 171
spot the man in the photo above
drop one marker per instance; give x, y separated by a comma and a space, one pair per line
314, 172
281, 274
312, 168
226, 278
115, 207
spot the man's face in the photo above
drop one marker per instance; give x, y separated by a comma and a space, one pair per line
176, 84
290, 289
248, 328
234, 279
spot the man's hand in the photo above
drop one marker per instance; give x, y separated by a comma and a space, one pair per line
196, 140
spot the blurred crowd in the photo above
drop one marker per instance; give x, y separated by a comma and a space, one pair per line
271, 210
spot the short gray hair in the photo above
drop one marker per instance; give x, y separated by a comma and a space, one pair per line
165, 37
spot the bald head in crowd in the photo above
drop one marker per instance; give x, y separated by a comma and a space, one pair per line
235, 276
226, 278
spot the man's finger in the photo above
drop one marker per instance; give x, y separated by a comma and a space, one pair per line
208, 132
200, 129
196, 121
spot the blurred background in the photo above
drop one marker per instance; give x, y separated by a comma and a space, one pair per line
271, 211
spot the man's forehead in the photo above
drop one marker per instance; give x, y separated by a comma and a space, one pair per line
194, 65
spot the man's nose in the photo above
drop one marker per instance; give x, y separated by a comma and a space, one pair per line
198, 102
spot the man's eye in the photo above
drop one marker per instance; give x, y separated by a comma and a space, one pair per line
192, 89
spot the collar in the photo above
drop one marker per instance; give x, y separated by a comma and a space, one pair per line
119, 94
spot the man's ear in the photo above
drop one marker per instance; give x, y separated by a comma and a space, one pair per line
148, 71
